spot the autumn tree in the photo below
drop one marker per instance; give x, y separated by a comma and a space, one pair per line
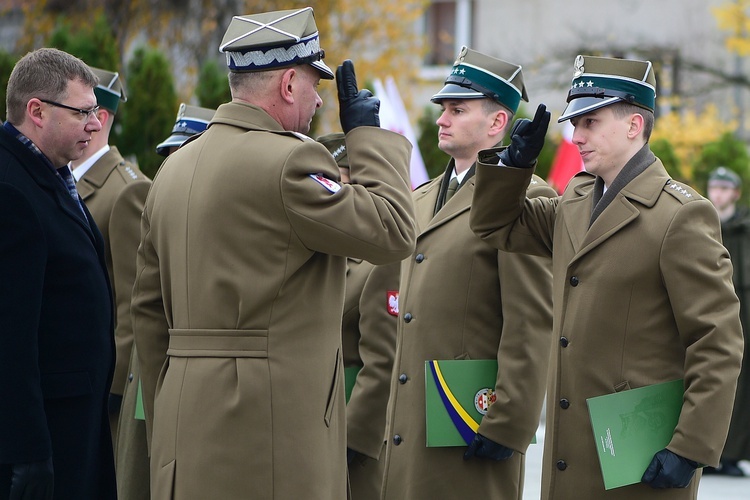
379, 36
94, 43
213, 85
7, 61
148, 116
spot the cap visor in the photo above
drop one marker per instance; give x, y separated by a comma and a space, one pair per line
325, 71
173, 141
583, 105
453, 91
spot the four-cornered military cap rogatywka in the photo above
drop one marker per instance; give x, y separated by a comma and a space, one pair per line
601, 81
272, 40
475, 76
190, 120
110, 90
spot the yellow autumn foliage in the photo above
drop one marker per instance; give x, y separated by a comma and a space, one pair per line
734, 17
380, 37
688, 131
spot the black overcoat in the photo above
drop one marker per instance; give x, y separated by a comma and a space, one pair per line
56, 331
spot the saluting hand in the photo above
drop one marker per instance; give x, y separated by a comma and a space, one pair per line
357, 108
526, 140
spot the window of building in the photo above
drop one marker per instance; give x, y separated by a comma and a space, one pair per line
447, 27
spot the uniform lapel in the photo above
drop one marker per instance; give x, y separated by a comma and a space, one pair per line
97, 175
577, 212
460, 203
642, 191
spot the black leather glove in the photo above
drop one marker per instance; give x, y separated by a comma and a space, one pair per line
482, 447
32, 481
669, 470
357, 108
526, 140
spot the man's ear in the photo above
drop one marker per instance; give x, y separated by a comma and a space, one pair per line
104, 115
636, 125
286, 84
34, 111
500, 122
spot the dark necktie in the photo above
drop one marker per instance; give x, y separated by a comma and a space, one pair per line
452, 187
70, 183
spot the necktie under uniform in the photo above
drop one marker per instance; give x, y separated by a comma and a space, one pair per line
452, 187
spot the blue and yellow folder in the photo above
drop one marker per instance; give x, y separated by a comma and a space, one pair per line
457, 395
631, 426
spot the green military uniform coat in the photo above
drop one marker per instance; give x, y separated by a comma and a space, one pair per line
460, 298
238, 303
114, 191
369, 342
642, 296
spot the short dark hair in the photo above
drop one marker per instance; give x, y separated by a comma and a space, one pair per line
43, 73
623, 109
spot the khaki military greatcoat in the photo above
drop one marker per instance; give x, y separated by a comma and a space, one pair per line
369, 344
460, 298
642, 296
114, 191
238, 302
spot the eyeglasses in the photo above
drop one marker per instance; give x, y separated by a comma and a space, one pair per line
85, 113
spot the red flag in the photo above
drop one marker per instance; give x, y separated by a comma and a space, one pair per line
567, 162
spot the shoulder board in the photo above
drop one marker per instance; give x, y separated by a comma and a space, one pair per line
682, 192
130, 173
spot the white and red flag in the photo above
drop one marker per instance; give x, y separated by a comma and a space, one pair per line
567, 162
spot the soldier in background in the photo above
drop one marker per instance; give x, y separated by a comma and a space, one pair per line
114, 191
131, 450
724, 190
191, 120
368, 334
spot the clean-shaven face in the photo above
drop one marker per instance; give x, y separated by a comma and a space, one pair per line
602, 140
464, 126
306, 97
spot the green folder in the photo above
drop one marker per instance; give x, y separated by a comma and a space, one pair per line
631, 426
139, 413
457, 395
350, 377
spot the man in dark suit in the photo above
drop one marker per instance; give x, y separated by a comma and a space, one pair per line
56, 340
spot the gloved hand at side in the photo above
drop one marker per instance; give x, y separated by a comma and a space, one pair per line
669, 470
482, 447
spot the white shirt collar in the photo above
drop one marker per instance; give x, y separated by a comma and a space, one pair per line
81, 169
459, 176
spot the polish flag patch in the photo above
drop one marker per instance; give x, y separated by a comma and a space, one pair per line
392, 304
327, 183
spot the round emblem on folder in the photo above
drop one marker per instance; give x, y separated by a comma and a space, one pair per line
483, 399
